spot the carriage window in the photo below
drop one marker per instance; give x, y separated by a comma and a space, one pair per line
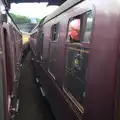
41, 43
88, 27
74, 29
79, 28
54, 32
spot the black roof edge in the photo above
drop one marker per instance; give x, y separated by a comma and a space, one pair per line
6, 4
50, 2
64, 7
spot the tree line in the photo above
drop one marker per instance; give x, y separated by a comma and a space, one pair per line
19, 19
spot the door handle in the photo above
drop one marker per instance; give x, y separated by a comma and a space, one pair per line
52, 61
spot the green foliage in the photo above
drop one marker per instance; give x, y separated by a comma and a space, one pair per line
38, 20
22, 19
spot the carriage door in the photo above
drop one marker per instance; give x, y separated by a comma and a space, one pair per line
2, 82
8, 60
40, 44
13, 53
117, 102
76, 64
3, 78
53, 50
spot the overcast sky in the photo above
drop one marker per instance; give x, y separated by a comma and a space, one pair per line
37, 10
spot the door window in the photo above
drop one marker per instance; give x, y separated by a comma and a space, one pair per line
54, 32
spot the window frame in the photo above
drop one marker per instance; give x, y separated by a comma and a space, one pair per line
42, 46
117, 100
83, 25
53, 32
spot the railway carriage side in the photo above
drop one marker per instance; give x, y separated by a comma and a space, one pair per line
10, 52
74, 75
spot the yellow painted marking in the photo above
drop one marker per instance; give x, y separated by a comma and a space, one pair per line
76, 61
25, 38
83, 51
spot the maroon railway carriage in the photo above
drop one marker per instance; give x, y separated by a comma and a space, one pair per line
33, 39
10, 52
81, 80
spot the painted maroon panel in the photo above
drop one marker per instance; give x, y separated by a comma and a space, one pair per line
99, 103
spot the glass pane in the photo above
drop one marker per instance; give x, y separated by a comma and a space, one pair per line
54, 36
76, 87
52, 61
41, 43
76, 78
55, 32
88, 27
